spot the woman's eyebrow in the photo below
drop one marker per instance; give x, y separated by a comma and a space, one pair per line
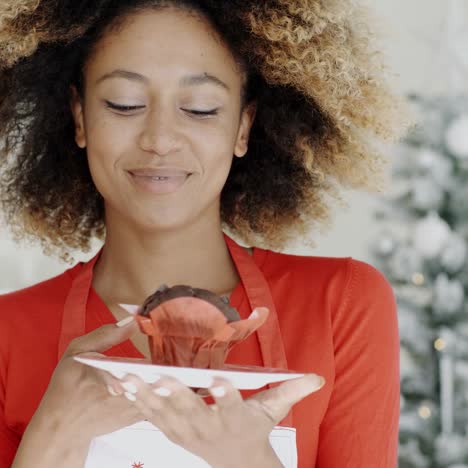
203, 78
128, 75
186, 81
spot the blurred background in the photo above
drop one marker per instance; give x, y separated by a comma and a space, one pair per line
416, 233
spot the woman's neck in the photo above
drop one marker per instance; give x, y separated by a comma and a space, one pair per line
132, 267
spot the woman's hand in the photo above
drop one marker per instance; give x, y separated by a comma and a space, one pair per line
230, 433
78, 405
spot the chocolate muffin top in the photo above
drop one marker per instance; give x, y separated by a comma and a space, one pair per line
165, 293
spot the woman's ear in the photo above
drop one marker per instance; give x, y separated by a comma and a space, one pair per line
76, 107
247, 120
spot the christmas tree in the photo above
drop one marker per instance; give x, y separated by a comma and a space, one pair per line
423, 250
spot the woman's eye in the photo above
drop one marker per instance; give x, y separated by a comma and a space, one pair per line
122, 108
128, 109
201, 113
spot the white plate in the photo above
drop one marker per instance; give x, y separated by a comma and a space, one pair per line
241, 377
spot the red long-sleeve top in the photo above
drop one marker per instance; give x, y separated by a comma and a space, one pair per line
337, 318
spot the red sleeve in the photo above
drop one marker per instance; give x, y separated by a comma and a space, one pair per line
9, 440
8, 444
360, 428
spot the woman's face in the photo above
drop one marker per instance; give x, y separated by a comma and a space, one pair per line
161, 119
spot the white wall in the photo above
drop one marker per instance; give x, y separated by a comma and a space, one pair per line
412, 41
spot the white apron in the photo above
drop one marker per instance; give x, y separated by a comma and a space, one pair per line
142, 445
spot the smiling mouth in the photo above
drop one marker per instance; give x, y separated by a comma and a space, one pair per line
159, 184
158, 178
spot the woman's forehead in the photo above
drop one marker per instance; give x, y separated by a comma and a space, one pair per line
165, 41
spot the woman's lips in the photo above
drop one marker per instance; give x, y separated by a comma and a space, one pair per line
159, 172
159, 180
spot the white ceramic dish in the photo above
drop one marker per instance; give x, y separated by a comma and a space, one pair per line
241, 377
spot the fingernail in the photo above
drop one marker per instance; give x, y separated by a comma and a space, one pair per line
125, 321
130, 308
130, 387
254, 314
162, 391
130, 396
319, 382
111, 390
218, 391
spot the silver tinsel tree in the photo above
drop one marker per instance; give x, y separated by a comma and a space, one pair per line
423, 250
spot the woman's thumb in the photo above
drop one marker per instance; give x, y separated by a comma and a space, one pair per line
277, 401
103, 338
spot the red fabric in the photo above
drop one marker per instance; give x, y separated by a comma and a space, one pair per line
337, 318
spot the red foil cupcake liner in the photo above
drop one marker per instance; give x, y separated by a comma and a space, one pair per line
191, 332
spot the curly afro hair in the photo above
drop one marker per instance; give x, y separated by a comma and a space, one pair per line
322, 98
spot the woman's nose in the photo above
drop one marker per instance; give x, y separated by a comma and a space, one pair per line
160, 134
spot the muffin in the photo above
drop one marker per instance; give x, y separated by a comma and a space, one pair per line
193, 327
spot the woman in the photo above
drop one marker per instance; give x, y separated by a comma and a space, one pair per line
154, 124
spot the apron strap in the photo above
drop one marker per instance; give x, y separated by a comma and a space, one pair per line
74, 311
259, 295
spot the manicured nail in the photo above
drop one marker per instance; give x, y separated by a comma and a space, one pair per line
130, 396
111, 390
130, 387
218, 391
162, 391
318, 382
125, 321
254, 314
130, 308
